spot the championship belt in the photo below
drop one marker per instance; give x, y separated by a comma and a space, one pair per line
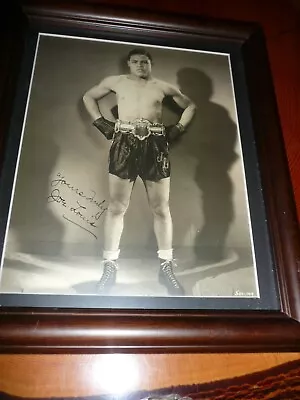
140, 128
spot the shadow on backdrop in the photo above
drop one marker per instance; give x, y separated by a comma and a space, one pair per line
30, 209
211, 141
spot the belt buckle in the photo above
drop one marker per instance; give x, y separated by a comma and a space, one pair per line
141, 122
142, 128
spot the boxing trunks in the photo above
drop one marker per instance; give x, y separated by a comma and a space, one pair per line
139, 148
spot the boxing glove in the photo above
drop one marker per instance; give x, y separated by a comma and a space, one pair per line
174, 132
106, 127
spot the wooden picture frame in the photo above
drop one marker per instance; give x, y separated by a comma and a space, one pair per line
271, 322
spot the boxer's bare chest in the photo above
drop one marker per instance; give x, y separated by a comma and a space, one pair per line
142, 90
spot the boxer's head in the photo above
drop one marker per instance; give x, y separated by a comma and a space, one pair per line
139, 62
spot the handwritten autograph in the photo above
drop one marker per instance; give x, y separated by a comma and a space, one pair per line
80, 211
62, 181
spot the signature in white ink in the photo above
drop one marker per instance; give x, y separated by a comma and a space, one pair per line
240, 293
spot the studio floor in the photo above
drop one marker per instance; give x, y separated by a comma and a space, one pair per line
232, 276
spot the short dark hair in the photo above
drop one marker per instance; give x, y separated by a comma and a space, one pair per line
139, 51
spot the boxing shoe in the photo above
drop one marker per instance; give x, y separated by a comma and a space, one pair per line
108, 278
168, 279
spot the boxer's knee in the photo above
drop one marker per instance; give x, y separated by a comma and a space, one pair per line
118, 207
161, 209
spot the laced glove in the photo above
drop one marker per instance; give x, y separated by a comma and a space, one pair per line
106, 127
174, 132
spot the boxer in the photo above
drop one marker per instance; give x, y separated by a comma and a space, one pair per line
140, 145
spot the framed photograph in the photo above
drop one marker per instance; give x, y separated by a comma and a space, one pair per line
145, 194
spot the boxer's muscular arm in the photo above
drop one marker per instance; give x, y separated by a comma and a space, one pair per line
175, 132
91, 97
189, 108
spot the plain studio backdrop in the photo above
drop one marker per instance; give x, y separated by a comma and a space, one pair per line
61, 183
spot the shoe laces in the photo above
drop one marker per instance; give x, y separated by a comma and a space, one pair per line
171, 263
167, 269
110, 268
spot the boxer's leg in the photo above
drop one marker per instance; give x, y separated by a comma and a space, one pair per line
158, 197
119, 197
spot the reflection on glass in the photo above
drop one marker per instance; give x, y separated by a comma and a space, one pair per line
118, 374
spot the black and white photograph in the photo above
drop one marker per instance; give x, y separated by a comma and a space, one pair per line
130, 176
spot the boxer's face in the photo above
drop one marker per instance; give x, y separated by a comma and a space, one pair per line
140, 66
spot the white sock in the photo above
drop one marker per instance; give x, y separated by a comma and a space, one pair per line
165, 254
111, 254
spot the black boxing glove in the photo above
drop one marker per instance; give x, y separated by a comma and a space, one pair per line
174, 132
106, 127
